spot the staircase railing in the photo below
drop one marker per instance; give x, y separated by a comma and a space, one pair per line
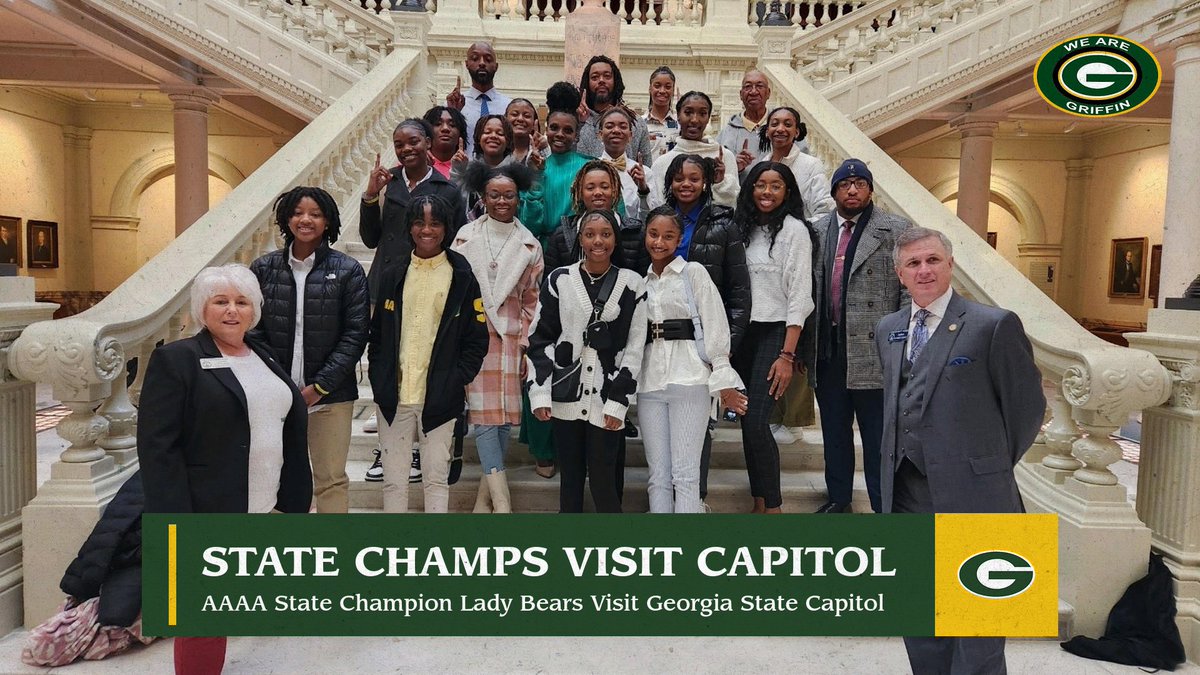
301, 55
84, 356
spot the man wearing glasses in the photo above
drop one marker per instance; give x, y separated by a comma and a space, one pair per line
855, 286
740, 134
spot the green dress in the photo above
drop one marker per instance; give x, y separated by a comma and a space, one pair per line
542, 209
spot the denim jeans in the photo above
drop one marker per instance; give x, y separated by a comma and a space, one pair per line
491, 440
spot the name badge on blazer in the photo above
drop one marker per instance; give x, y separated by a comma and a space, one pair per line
216, 362
898, 336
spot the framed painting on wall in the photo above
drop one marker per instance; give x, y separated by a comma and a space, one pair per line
1127, 268
10, 241
42, 244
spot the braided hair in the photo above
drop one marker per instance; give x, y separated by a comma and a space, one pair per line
614, 176
285, 206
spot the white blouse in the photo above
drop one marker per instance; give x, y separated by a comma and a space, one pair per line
812, 181
677, 361
268, 400
781, 281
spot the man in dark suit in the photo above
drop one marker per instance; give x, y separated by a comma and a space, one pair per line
854, 287
962, 403
8, 246
41, 252
1129, 276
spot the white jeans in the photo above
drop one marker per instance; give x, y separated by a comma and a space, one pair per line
673, 422
396, 442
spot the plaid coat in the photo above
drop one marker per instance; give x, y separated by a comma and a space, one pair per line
872, 292
509, 303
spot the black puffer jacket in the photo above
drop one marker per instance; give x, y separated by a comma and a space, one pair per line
109, 563
563, 247
336, 318
715, 244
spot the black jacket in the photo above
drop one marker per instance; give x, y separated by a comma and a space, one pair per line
336, 318
381, 225
717, 245
193, 434
562, 249
109, 564
458, 348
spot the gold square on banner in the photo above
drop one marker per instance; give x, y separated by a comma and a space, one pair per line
996, 575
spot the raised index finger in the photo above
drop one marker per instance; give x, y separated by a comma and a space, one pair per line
458, 82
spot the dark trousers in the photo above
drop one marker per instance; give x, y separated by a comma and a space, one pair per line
839, 408
758, 351
586, 453
941, 655
705, 460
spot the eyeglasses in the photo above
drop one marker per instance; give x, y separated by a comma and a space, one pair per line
506, 196
857, 183
754, 86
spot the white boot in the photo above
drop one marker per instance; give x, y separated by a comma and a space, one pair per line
498, 486
483, 500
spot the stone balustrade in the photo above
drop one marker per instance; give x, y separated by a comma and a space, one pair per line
335, 27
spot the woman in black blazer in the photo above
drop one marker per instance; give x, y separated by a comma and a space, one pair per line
205, 446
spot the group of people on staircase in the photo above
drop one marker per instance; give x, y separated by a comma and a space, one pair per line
550, 280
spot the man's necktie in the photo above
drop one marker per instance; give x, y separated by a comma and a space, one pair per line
838, 267
920, 335
483, 105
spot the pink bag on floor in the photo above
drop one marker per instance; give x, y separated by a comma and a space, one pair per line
74, 632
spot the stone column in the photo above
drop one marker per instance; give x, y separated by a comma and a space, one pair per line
1181, 229
1168, 496
191, 153
975, 171
77, 228
18, 446
1074, 234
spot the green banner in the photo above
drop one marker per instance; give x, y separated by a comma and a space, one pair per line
543, 574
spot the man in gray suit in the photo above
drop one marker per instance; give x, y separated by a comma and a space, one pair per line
854, 287
962, 402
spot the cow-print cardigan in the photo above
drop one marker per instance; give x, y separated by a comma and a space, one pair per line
609, 376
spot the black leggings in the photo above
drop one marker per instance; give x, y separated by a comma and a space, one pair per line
760, 348
586, 452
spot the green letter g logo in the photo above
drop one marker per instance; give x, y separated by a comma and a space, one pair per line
1097, 76
996, 574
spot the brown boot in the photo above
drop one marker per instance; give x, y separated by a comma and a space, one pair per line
498, 485
483, 501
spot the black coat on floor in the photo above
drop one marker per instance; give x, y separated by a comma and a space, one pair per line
109, 564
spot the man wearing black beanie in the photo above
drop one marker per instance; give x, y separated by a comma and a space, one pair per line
855, 286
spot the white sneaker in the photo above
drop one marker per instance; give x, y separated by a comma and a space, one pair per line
375, 473
371, 426
782, 434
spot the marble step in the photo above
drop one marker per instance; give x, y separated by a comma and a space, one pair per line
728, 491
806, 454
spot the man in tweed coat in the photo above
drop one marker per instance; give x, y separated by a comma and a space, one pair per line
855, 286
